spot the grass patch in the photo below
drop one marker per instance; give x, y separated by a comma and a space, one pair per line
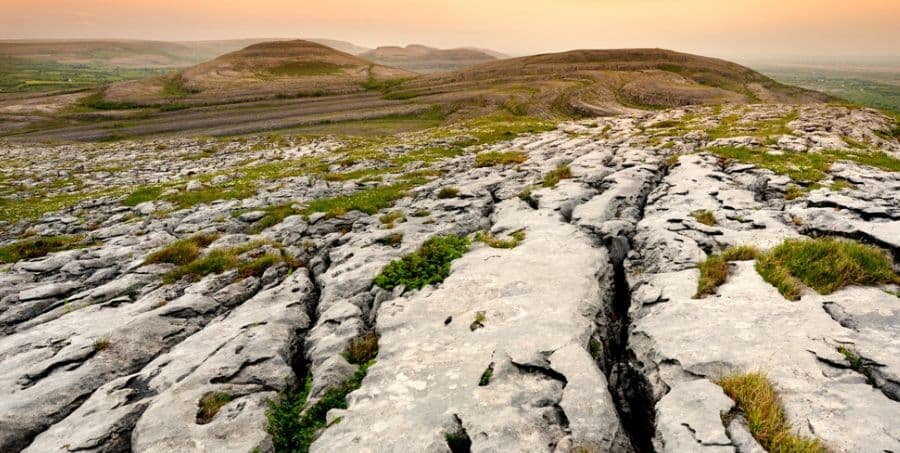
143, 194
492, 241
811, 167
428, 265
758, 400
182, 251
38, 247
714, 270
825, 265
274, 216
224, 259
705, 217
368, 201
294, 433
494, 158
305, 68
562, 171
210, 404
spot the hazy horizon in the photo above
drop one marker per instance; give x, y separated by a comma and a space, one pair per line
737, 29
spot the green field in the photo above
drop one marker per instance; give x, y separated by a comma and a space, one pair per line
877, 89
20, 75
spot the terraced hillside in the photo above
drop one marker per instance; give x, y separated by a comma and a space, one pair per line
266, 80
424, 59
690, 279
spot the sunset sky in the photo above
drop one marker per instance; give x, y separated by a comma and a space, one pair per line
725, 28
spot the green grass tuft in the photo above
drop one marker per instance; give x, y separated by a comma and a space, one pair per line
478, 323
825, 265
714, 270
562, 171
210, 404
38, 247
757, 399
492, 241
428, 265
182, 251
493, 158
448, 192
705, 217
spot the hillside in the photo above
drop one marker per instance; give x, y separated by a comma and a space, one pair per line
423, 59
280, 68
343, 46
592, 82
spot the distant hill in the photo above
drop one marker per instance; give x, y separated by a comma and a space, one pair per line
122, 53
423, 59
280, 68
598, 82
343, 46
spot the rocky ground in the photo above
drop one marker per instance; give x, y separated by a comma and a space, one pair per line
578, 333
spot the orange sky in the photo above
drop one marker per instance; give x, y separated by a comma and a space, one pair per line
711, 27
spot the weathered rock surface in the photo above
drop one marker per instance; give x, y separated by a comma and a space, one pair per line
590, 331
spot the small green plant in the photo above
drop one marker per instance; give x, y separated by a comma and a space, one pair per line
274, 216
182, 251
552, 178
422, 213
855, 360
757, 399
448, 192
293, 432
494, 158
478, 323
516, 237
486, 376
428, 265
526, 196
705, 217
825, 265
595, 348
101, 344
210, 404
714, 270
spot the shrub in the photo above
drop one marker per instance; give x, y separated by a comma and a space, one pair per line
37, 247
757, 399
826, 265
182, 251
486, 376
428, 265
493, 158
562, 171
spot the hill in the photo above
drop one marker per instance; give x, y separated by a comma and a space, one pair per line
48, 65
343, 46
423, 59
280, 68
598, 82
